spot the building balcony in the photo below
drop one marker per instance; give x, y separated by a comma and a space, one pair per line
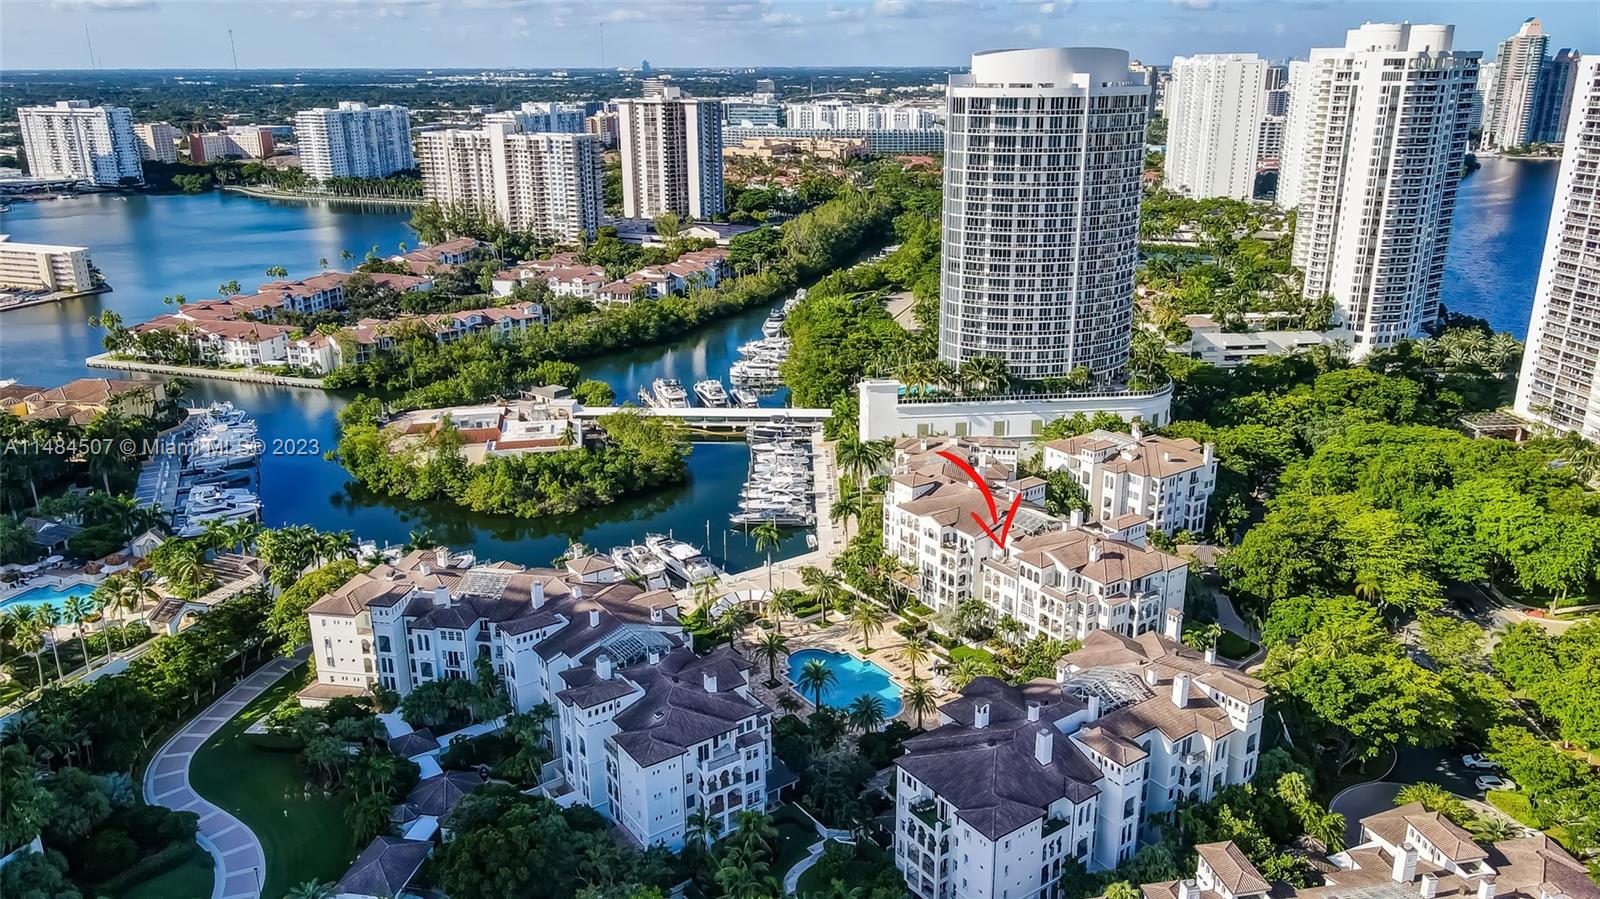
728, 756
1189, 759
927, 811
1052, 825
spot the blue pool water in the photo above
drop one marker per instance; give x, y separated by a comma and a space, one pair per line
45, 596
856, 677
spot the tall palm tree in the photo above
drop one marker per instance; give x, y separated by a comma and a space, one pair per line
783, 603
914, 652
867, 713
817, 677
27, 636
701, 828
846, 507
137, 590
49, 618
277, 271
772, 647
964, 671
867, 619
919, 697
322, 263
767, 539
824, 584
78, 609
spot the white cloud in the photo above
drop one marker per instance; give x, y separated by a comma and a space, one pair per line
891, 8
1194, 4
103, 5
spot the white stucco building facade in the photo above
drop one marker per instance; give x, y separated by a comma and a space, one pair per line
541, 182
354, 140
671, 155
71, 139
1215, 107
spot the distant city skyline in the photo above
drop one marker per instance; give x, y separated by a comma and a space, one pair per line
275, 34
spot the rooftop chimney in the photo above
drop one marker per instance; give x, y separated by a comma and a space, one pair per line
1405, 865
1166, 457
1136, 432
1094, 708
538, 594
424, 569
1486, 886
1042, 743
1209, 452
1076, 519
602, 666
657, 614
1180, 690
1188, 889
1174, 628
980, 715
1033, 711
1430, 886
653, 657
441, 596
1211, 654
1094, 552
1151, 677
442, 556
594, 617
709, 681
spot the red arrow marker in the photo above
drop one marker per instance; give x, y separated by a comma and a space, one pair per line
988, 497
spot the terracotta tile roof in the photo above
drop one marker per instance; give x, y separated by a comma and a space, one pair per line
1232, 868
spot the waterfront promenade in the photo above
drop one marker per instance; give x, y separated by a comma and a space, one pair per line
245, 375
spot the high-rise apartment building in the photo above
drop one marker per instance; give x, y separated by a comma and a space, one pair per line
1043, 157
1382, 132
158, 141
671, 154
1510, 120
354, 140
545, 183
1277, 90
237, 142
1483, 100
72, 139
562, 118
1290, 161
1560, 383
1269, 147
1557, 84
864, 116
1214, 110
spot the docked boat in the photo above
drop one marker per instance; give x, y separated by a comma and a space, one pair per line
711, 393
682, 560
744, 399
639, 561
670, 393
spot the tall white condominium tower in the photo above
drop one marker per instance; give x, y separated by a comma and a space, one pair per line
1043, 154
1292, 159
671, 154
1560, 382
75, 140
354, 141
546, 183
1508, 116
1215, 104
1383, 133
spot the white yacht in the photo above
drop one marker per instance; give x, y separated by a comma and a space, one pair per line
745, 399
670, 393
682, 559
640, 562
711, 393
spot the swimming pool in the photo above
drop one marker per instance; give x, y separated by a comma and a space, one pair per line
856, 677
45, 596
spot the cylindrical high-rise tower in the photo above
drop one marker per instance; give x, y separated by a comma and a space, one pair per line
1043, 154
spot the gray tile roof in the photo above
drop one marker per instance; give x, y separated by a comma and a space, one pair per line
676, 713
990, 775
384, 867
436, 796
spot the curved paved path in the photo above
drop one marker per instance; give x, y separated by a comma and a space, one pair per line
240, 862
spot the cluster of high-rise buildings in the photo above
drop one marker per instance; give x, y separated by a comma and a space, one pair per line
1526, 91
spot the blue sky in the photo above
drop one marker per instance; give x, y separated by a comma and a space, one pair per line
557, 33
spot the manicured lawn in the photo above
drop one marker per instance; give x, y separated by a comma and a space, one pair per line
971, 652
303, 833
856, 871
795, 837
190, 880
1232, 646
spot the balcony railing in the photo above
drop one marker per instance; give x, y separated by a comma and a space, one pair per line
928, 813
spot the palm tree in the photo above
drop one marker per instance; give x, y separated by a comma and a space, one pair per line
1486, 829
335, 545
346, 255
311, 889
29, 639
866, 713
964, 671
138, 589
767, 539
816, 676
1368, 587
77, 609
277, 271
784, 602
49, 618
322, 263
920, 699
915, 651
700, 827
824, 584
772, 647
846, 507
867, 619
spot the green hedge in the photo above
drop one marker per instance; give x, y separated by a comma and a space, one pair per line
159, 862
1514, 804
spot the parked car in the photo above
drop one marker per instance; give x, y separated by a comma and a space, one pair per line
1478, 760
1489, 782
